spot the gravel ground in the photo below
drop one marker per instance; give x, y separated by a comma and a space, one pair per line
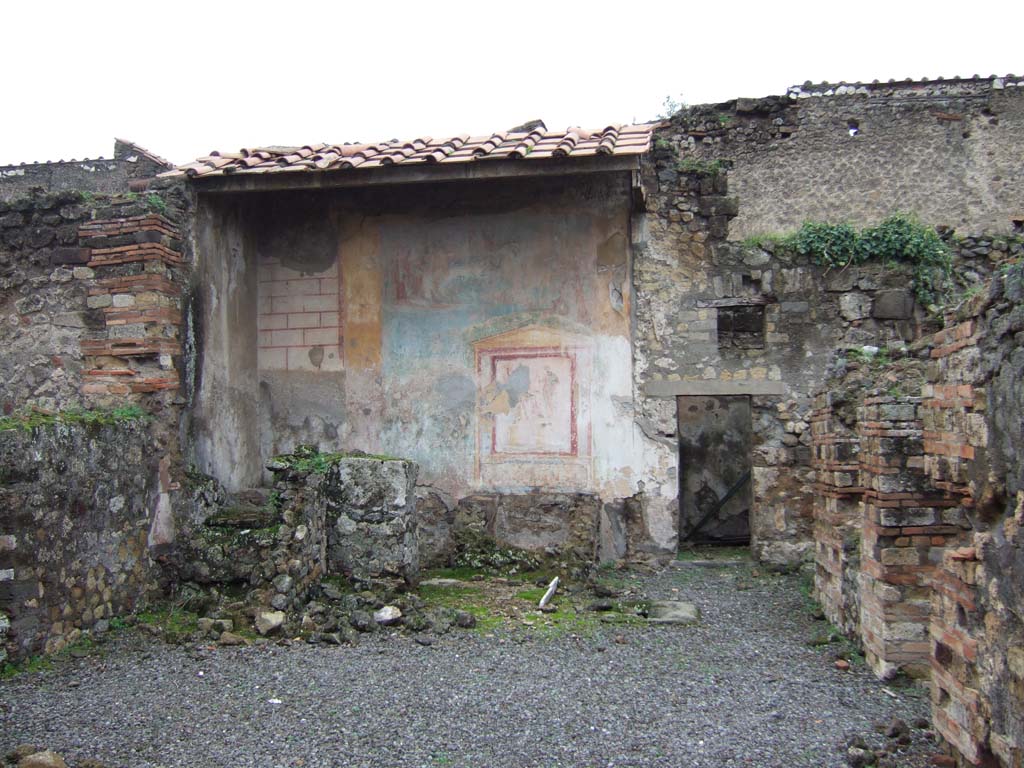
742, 689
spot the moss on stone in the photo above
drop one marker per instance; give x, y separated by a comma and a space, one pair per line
308, 459
32, 419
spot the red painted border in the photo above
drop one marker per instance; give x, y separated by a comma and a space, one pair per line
516, 353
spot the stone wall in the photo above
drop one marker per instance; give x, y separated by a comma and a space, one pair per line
946, 149
975, 442
79, 504
90, 293
941, 490
90, 289
696, 293
130, 168
349, 517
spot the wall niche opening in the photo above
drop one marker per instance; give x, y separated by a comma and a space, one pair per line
741, 327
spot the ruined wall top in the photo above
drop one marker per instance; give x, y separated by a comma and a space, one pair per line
945, 150
938, 87
129, 168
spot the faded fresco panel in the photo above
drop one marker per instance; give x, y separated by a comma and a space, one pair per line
533, 410
538, 389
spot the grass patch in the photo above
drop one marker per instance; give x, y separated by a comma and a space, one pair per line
86, 644
29, 420
470, 599
27, 666
829, 636
175, 623
459, 573
532, 595
700, 167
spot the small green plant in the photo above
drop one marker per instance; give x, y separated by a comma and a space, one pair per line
176, 623
832, 245
700, 167
31, 419
663, 146
670, 106
85, 196
768, 241
880, 359
156, 204
487, 555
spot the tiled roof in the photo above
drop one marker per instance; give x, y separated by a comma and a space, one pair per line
538, 144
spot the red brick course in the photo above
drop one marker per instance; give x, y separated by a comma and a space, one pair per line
143, 363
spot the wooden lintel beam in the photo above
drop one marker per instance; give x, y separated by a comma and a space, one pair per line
747, 301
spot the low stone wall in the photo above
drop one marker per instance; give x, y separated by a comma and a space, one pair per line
352, 517
79, 502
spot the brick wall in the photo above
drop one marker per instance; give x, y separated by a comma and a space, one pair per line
299, 318
907, 525
942, 519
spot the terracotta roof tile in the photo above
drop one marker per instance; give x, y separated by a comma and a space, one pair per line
537, 144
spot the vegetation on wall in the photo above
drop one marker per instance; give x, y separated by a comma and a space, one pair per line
700, 167
28, 420
900, 238
307, 459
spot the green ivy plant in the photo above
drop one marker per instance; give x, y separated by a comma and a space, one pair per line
900, 238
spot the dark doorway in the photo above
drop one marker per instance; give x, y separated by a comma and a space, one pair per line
715, 490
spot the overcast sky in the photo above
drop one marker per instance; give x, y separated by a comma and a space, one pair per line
183, 78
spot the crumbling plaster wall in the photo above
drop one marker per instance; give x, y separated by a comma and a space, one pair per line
223, 418
948, 151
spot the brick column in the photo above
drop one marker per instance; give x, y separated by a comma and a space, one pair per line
835, 448
907, 526
135, 346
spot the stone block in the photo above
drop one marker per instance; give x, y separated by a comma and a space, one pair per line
854, 306
370, 515
900, 556
99, 302
893, 305
70, 256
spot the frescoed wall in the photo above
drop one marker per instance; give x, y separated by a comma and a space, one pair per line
481, 330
